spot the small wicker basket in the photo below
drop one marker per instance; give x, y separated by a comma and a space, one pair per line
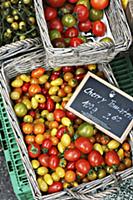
90, 191
91, 52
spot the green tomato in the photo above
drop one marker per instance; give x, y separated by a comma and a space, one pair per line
68, 20
85, 130
20, 109
106, 39
95, 14
54, 34
92, 175
101, 173
85, 3
83, 38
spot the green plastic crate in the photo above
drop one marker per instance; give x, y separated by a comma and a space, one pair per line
123, 71
13, 159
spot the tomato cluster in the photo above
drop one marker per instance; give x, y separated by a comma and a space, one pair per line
68, 20
64, 150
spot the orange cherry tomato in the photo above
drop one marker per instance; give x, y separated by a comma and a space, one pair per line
29, 139
126, 146
70, 176
36, 73
46, 135
61, 93
55, 140
47, 85
67, 89
39, 138
27, 128
63, 103
34, 89
34, 81
39, 128
53, 124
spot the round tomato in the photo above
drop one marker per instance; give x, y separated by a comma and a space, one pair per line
39, 139
74, 42
53, 161
112, 158
95, 159
46, 145
29, 139
34, 150
34, 89
68, 20
53, 151
70, 176
53, 35
20, 109
95, 14
71, 165
50, 13
71, 32
39, 128
98, 28
99, 5
44, 160
55, 187
25, 87
27, 128
58, 43
56, 24
70, 115
82, 12
67, 69
85, 26
84, 145
83, 166
61, 131
104, 139
55, 3
72, 154
59, 114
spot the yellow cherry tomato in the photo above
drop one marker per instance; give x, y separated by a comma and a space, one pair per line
65, 140
120, 153
66, 121
53, 90
98, 147
43, 79
25, 78
42, 171
48, 179
35, 164
57, 82
56, 99
15, 95
55, 176
53, 132
28, 119
57, 69
92, 67
75, 184
34, 103
27, 103
44, 113
17, 83
60, 171
58, 106
66, 185
61, 147
40, 98
113, 144
42, 185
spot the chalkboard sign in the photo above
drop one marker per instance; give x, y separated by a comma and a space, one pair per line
103, 105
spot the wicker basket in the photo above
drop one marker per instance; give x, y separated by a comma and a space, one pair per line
92, 52
93, 190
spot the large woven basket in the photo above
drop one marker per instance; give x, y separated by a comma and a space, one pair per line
92, 52
94, 190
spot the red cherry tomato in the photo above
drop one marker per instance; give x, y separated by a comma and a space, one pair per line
83, 166
55, 3
61, 131
56, 24
72, 1
84, 145
82, 12
71, 32
25, 87
36, 73
79, 77
44, 159
70, 115
50, 104
32, 113
99, 5
53, 151
34, 89
59, 114
53, 161
67, 69
34, 150
98, 28
44, 91
46, 145
85, 26
55, 187
42, 106
95, 158
50, 13
74, 42
72, 154
53, 77
71, 165
112, 158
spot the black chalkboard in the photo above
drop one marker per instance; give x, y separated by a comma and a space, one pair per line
107, 107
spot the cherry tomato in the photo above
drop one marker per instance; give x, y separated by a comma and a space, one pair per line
20, 109
95, 159
61, 93
98, 28
34, 150
61, 131
72, 1
67, 69
68, 20
53, 151
71, 32
36, 73
55, 187
54, 140
66, 9
46, 145
39, 139
25, 87
50, 13
104, 139
99, 5
32, 113
128, 162
84, 145
82, 12
70, 115
56, 24
44, 91
71, 165
50, 105
85, 26
53, 161
39, 128
83, 166
74, 42
68, 89
34, 89
27, 128
42, 106
126, 146
59, 114
70, 176
44, 160
29, 139
72, 154
112, 158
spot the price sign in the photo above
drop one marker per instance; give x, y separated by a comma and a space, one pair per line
103, 105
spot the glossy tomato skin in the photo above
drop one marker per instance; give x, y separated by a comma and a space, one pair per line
70, 115
99, 5
36, 73
59, 114
74, 42
50, 104
53, 162
34, 150
66, 9
82, 12
42, 106
46, 145
83, 166
72, 1
55, 187
71, 32
44, 160
85, 26
95, 158
61, 131
98, 28
25, 87
112, 158
50, 13
84, 145
53, 151
72, 154
67, 69
56, 24
71, 165
55, 3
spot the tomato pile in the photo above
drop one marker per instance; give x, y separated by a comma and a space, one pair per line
69, 20
64, 150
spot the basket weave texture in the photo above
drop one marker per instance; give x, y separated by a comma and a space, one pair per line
91, 52
90, 191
